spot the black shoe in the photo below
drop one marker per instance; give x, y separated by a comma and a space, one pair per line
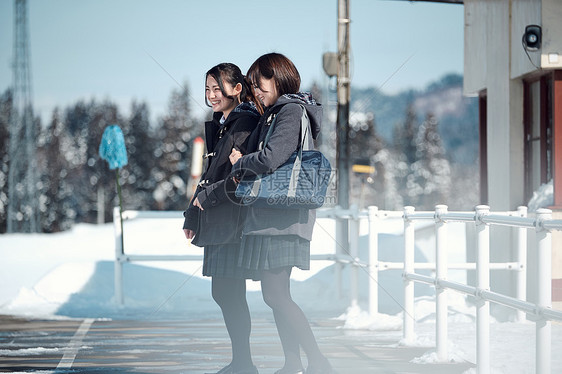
225, 370
229, 370
252, 370
320, 370
314, 370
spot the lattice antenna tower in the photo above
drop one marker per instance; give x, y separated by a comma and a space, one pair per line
22, 180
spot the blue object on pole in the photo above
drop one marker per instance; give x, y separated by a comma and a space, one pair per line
112, 147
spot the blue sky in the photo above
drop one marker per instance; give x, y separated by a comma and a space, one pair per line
102, 48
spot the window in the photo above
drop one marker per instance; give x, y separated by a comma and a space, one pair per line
538, 126
483, 140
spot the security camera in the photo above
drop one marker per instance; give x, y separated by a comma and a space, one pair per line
532, 38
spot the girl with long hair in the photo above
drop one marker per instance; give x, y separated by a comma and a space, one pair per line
213, 219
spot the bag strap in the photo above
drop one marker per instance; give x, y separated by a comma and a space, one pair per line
305, 129
269, 131
305, 126
304, 140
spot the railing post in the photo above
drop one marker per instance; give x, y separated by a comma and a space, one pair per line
373, 260
118, 267
354, 252
482, 283
409, 320
441, 274
341, 247
544, 292
521, 248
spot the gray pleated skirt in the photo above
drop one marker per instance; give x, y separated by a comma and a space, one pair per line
221, 260
255, 254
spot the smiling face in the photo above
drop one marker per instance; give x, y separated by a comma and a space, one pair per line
266, 91
219, 101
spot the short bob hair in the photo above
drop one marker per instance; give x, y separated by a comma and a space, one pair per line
278, 67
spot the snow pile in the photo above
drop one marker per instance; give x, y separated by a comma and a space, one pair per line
71, 275
432, 358
29, 352
53, 290
357, 319
542, 198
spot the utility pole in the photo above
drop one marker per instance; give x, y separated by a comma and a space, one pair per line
343, 92
342, 134
23, 212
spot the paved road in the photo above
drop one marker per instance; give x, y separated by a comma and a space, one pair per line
172, 346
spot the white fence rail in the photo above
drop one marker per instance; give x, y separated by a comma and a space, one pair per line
540, 311
121, 257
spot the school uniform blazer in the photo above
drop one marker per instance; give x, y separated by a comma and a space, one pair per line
222, 218
283, 142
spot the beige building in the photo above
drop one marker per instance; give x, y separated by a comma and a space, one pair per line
513, 63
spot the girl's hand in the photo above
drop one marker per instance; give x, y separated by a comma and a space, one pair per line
189, 234
197, 204
235, 155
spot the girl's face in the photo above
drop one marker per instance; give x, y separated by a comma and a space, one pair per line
218, 101
268, 93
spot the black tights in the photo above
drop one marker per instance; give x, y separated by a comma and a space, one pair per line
230, 295
292, 325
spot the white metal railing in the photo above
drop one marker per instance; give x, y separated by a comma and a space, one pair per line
121, 257
347, 255
342, 256
540, 311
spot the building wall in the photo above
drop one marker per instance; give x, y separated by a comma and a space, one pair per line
495, 61
488, 58
552, 33
489, 46
505, 107
547, 14
475, 41
523, 13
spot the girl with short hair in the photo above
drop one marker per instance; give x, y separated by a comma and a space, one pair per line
276, 240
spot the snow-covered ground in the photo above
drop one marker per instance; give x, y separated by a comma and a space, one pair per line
71, 275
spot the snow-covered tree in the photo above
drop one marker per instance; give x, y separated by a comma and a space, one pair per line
364, 145
387, 163
404, 154
405, 135
429, 180
58, 205
103, 191
422, 172
137, 180
5, 112
174, 137
92, 182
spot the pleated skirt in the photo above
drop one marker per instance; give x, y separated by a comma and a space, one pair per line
221, 260
255, 254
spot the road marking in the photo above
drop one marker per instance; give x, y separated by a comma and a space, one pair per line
74, 346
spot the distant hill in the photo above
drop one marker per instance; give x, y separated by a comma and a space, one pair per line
457, 115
